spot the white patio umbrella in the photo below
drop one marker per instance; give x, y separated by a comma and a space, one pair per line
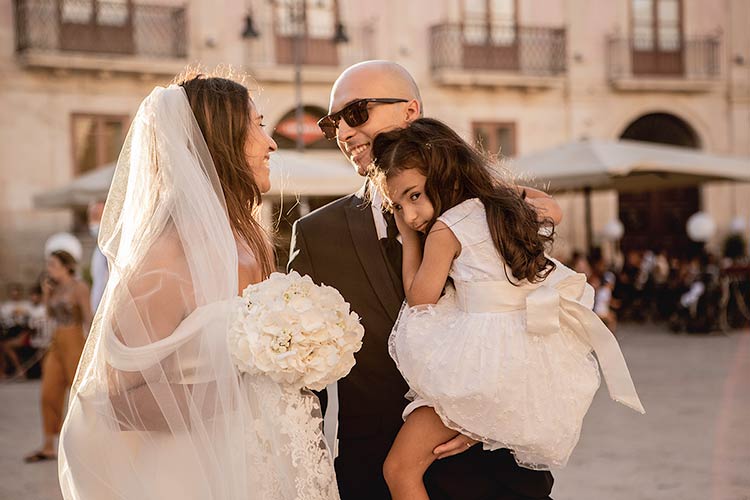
628, 165
625, 165
314, 173
91, 186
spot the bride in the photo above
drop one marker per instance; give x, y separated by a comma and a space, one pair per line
157, 410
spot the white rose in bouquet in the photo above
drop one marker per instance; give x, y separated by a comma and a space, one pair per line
294, 331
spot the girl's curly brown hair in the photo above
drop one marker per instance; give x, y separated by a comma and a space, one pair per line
455, 172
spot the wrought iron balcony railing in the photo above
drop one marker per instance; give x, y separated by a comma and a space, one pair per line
96, 27
493, 47
688, 59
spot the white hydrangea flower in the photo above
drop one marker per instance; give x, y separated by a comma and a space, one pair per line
295, 332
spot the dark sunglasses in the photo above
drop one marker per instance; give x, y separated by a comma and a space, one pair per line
354, 114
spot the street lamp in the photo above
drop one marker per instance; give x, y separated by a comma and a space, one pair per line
298, 19
340, 35
250, 31
297, 15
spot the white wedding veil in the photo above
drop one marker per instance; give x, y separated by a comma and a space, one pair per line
157, 410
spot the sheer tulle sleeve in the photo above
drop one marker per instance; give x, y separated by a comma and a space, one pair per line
148, 354
161, 392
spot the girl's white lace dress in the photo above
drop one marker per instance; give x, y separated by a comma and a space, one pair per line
511, 366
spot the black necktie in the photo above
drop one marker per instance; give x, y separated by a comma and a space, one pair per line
391, 245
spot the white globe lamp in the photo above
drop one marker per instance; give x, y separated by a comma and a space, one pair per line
701, 227
738, 225
613, 230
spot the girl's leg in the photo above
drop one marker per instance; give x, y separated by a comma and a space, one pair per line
411, 453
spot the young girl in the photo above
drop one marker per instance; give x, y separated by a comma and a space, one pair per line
504, 356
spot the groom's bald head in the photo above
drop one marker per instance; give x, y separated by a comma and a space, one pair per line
373, 79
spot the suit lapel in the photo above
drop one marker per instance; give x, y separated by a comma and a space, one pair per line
371, 255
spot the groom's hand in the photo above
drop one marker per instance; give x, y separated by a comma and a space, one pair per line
458, 444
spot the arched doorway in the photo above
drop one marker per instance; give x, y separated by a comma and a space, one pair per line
656, 219
662, 128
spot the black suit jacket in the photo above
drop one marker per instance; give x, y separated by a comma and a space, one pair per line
338, 245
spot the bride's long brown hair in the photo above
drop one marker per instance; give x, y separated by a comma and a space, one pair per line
220, 106
455, 172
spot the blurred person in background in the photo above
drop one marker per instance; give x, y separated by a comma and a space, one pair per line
41, 333
660, 276
698, 297
604, 284
580, 263
68, 303
14, 316
99, 268
626, 291
603, 280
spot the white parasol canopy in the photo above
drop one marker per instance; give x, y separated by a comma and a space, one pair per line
628, 165
313, 173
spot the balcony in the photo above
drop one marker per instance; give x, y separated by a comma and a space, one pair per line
691, 66
271, 56
101, 36
497, 55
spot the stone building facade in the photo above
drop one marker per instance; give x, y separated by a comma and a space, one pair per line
518, 75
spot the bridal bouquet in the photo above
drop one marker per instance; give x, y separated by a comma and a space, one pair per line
294, 331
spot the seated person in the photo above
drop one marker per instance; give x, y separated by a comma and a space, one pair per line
14, 315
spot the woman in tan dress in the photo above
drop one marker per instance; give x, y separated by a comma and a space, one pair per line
68, 306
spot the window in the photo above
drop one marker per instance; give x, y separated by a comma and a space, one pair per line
315, 21
657, 36
96, 26
317, 18
97, 140
657, 25
489, 32
496, 11
490, 21
496, 137
109, 13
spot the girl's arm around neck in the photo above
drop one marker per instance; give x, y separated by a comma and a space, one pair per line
425, 275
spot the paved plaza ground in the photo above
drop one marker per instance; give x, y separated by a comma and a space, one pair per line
692, 444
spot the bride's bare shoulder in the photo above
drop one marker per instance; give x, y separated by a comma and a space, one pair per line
249, 270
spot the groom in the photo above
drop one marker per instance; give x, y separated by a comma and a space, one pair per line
349, 245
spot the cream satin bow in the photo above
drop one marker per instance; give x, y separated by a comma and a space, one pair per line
567, 297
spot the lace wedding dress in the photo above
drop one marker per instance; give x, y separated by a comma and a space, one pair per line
157, 409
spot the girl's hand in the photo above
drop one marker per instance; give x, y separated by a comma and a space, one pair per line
406, 232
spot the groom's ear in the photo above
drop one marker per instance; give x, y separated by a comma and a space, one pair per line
413, 110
